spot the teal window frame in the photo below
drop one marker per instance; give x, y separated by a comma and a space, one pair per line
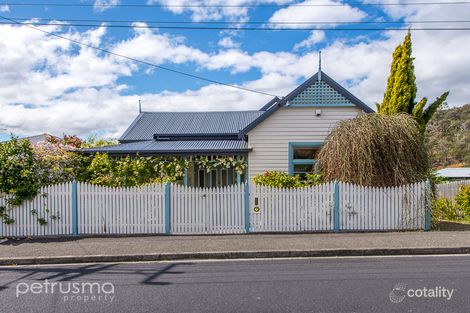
292, 161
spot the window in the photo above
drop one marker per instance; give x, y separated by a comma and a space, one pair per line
302, 157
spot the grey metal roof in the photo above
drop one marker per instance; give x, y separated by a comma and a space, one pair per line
463, 172
147, 124
152, 147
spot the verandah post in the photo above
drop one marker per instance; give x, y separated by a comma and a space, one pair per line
336, 207
168, 208
247, 207
74, 209
427, 212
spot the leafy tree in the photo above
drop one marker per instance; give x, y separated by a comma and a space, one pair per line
448, 137
57, 162
401, 88
18, 171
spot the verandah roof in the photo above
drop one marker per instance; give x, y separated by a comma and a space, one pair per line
185, 147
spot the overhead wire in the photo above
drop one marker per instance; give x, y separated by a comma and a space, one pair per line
213, 81
265, 5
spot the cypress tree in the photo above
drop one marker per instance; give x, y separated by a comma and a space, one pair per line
401, 88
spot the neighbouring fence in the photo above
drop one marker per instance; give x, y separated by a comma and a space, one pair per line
85, 209
449, 190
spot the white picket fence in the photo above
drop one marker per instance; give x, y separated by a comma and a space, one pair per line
126, 210
207, 210
391, 208
291, 209
53, 205
450, 189
85, 209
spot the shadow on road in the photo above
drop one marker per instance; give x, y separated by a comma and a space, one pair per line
10, 276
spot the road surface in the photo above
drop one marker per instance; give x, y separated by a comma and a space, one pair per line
368, 284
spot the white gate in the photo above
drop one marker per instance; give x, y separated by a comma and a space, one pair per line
291, 209
197, 210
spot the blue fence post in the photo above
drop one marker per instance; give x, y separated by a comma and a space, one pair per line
74, 209
247, 207
336, 207
168, 209
427, 213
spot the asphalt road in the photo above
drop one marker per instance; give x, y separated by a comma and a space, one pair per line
388, 284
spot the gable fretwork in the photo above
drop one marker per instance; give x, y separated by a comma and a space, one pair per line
320, 94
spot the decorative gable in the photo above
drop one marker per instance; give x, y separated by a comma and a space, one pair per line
319, 93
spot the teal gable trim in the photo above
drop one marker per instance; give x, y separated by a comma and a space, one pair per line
321, 105
315, 144
319, 94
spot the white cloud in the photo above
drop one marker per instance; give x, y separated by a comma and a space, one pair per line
4, 8
227, 42
206, 10
316, 36
103, 5
159, 48
308, 15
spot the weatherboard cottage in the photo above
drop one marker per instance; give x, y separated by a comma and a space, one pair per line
284, 135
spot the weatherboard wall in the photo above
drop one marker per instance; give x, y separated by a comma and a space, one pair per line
270, 139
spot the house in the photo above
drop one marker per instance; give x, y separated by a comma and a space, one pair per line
284, 135
41, 138
454, 173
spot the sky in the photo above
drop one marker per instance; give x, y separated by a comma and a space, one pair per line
51, 85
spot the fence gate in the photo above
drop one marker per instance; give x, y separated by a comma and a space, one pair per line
207, 210
291, 209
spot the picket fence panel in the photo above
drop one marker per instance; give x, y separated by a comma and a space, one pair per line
450, 189
222, 210
52, 204
123, 210
291, 209
196, 210
388, 208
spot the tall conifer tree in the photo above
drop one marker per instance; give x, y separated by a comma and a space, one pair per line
401, 89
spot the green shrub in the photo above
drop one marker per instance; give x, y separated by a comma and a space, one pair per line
445, 209
284, 180
462, 200
454, 210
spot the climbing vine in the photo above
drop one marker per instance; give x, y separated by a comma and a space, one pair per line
136, 170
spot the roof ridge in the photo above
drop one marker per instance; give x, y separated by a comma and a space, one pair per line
192, 112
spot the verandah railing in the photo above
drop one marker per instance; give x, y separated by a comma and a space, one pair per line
85, 209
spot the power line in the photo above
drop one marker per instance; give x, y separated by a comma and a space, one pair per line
58, 19
175, 5
141, 61
245, 28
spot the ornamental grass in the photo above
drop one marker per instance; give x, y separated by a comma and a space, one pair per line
375, 150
